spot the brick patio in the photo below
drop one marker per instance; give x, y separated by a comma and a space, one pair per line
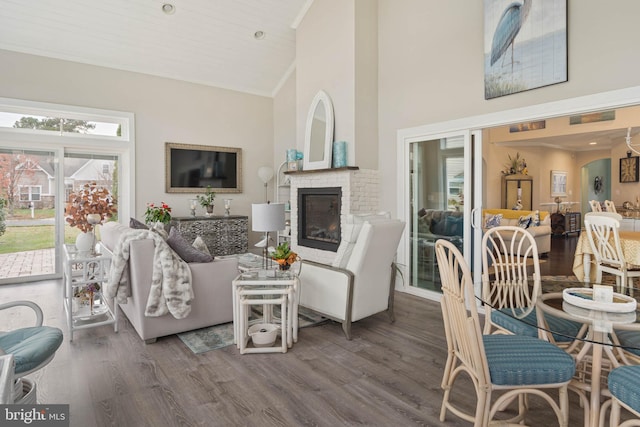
28, 263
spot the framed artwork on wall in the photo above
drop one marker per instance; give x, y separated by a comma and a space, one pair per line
525, 45
558, 183
629, 169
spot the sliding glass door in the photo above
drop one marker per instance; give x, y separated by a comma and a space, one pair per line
440, 181
47, 153
28, 225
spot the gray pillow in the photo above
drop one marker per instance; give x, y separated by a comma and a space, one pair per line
134, 223
200, 245
184, 249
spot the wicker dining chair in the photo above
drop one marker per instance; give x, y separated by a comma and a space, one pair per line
32, 349
511, 284
513, 366
624, 385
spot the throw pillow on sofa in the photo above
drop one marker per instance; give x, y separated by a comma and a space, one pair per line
184, 249
491, 221
439, 227
453, 225
536, 219
135, 224
200, 245
525, 221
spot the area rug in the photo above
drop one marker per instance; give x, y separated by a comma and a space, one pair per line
554, 283
219, 336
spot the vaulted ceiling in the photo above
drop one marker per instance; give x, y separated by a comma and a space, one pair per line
211, 42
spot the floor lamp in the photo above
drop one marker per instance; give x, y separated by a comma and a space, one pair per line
266, 174
267, 217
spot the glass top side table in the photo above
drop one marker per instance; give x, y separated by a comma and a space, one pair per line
84, 303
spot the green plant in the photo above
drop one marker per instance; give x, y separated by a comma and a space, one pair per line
206, 199
155, 213
283, 254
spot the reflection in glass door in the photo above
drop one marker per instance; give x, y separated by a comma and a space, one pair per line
443, 192
437, 205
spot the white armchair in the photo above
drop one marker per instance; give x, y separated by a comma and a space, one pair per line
364, 286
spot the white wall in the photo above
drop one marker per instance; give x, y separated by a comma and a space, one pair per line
431, 65
284, 121
165, 111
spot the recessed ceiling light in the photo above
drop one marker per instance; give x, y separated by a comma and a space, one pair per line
168, 8
593, 143
259, 35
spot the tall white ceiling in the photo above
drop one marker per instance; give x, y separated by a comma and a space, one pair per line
209, 42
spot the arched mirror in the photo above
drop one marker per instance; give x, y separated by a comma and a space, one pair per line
319, 133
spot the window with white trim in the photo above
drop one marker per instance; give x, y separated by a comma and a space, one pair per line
30, 193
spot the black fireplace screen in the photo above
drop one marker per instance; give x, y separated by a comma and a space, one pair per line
319, 218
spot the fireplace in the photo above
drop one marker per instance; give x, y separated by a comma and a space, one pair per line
319, 217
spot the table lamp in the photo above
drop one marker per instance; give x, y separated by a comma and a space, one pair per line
267, 217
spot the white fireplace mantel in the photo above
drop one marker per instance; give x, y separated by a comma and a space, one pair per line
360, 194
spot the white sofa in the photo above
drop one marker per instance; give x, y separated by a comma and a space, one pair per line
541, 233
211, 283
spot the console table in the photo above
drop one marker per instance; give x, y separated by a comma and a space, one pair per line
563, 224
223, 235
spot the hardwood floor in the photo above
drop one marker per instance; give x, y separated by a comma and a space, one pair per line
559, 261
388, 375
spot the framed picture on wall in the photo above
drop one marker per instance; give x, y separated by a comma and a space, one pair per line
525, 45
629, 169
558, 183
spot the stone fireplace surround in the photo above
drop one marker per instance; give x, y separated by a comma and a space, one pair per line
360, 194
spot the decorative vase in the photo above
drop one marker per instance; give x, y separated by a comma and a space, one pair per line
209, 210
84, 242
339, 154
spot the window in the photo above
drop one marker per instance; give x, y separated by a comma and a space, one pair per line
105, 168
30, 193
47, 119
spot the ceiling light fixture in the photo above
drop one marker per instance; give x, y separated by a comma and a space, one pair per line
168, 8
259, 35
593, 143
632, 147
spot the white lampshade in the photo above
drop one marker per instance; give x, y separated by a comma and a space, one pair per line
265, 173
267, 217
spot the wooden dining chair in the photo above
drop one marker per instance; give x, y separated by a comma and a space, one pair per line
511, 284
604, 239
512, 366
595, 206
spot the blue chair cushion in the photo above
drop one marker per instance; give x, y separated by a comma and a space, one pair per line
630, 339
522, 360
566, 330
30, 346
624, 383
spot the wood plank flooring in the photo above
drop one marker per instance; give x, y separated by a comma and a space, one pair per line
388, 375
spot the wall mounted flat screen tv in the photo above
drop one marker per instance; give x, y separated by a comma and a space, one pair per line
191, 168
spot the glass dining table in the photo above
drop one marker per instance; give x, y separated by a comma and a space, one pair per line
609, 337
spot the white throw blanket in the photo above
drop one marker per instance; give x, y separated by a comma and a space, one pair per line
171, 290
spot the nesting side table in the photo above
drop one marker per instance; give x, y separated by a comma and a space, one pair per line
254, 288
80, 271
